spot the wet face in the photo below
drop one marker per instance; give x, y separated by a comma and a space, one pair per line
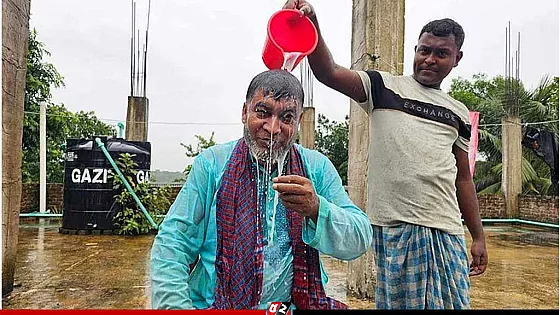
434, 58
270, 125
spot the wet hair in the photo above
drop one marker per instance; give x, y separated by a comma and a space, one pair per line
280, 84
444, 28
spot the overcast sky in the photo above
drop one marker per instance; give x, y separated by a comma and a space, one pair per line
202, 54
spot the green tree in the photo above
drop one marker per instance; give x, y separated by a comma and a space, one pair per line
201, 145
61, 123
487, 96
130, 219
192, 152
331, 139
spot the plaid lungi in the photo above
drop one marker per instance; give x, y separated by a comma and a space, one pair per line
420, 268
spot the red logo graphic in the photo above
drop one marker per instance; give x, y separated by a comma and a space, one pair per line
281, 308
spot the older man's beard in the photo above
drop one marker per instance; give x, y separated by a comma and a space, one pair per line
263, 155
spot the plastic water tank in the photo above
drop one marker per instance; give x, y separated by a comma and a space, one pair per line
89, 202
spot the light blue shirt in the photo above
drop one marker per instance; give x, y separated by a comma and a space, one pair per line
189, 231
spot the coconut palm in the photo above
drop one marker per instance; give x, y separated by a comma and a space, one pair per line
487, 97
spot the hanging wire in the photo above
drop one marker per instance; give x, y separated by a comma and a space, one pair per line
375, 58
149, 122
235, 124
372, 57
521, 124
540, 122
390, 65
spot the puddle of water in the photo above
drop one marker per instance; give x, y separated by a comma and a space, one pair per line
522, 271
61, 271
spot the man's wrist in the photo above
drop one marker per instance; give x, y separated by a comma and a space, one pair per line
478, 237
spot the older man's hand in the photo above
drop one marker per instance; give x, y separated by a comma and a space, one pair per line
297, 194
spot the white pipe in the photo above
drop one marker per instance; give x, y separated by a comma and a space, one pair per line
43, 158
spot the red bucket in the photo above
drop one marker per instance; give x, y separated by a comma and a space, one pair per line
290, 38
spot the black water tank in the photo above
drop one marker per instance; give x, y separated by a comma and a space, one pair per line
89, 202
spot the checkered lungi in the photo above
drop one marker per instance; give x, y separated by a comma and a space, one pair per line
420, 268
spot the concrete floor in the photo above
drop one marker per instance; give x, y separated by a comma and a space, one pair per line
59, 271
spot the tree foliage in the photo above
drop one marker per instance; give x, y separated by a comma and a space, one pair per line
331, 139
487, 96
42, 77
130, 219
192, 152
201, 145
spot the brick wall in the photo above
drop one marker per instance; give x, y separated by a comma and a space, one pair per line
539, 208
30, 197
174, 193
55, 197
491, 206
532, 208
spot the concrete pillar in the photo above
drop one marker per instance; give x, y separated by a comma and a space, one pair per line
307, 129
43, 157
137, 119
511, 161
378, 29
15, 33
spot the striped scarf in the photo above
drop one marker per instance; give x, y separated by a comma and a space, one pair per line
240, 248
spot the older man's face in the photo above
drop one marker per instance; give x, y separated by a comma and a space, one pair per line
270, 125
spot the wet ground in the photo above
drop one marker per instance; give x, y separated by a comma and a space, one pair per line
60, 271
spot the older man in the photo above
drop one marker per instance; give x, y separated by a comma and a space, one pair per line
244, 232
